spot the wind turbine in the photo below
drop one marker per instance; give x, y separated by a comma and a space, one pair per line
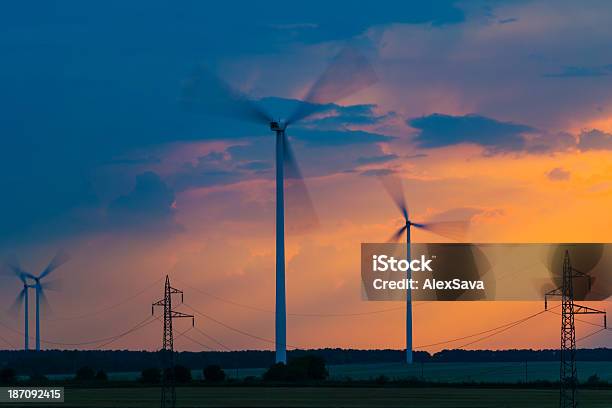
23, 297
449, 229
58, 260
349, 72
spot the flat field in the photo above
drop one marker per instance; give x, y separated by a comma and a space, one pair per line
453, 372
443, 372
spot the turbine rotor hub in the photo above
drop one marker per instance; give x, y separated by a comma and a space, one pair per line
277, 126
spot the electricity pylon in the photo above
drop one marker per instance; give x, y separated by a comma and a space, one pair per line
569, 378
168, 392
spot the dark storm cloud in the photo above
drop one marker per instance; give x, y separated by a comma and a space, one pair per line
440, 130
148, 206
496, 137
595, 140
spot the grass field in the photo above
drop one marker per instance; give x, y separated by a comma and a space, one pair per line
331, 397
367, 396
445, 372
454, 372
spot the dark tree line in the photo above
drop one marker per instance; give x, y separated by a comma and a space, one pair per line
68, 362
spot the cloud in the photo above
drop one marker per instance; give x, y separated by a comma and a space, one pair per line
330, 116
149, 205
439, 130
320, 138
377, 172
595, 140
496, 137
376, 159
341, 116
317, 153
558, 174
256, 165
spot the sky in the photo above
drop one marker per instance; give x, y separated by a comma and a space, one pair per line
493, 111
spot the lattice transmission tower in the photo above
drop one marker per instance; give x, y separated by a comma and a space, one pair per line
568, 374
168, 392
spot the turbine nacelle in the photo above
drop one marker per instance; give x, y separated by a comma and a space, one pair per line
278, 126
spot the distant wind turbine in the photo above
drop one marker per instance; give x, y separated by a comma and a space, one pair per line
349, 72
58, 260
23, 297
449, 229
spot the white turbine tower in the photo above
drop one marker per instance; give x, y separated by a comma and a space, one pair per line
450, 229
349, 72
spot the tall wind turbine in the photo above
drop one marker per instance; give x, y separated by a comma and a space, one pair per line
349, 72
22, 298
58, 260
449, 229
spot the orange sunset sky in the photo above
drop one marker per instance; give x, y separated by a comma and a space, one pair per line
499, 114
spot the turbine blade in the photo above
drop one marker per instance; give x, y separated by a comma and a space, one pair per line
301, 213
53, 285
349, 72
206, 93
44, 302
468, 262
16, 305
393, 186
398, 234
12, 267
455, 230
58, 260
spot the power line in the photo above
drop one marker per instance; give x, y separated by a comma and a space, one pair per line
590, 335
135, 328
233, 328
213, 339
7, 342
479, 333
57, 343
502, 330
198, 342
262, 310
587, 322
110, 307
